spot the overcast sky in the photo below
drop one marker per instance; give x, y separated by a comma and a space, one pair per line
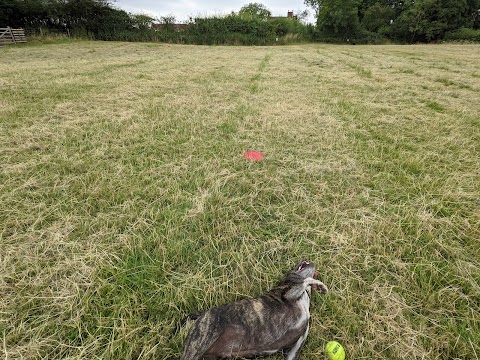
183, 9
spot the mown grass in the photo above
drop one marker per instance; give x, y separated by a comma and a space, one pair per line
125, 203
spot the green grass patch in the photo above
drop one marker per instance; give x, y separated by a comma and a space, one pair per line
126, 204
435, 106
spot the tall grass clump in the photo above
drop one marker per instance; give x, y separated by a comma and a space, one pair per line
145, 35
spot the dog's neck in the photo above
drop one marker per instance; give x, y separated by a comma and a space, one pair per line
292, 287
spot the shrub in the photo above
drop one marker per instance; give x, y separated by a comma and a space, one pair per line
231, 29
463, 34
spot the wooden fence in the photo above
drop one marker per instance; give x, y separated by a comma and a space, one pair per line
12, 36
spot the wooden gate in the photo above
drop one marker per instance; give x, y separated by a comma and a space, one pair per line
12, 36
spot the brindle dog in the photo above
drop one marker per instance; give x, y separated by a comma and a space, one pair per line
275, 321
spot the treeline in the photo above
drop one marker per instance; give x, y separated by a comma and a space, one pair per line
405, 21
77, 17
225, 30
99, 20
354, 21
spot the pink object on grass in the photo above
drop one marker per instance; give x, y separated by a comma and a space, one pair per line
253, 155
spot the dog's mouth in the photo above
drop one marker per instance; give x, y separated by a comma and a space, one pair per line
305, 265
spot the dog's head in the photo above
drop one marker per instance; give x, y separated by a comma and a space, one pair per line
304, 269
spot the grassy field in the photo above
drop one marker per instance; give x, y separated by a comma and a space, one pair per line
125, 203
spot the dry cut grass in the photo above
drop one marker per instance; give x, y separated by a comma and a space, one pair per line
125, 203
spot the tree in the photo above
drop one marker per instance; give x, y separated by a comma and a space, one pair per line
7, 13
168, 22
473, 14
396, 5
302, 15
430, 20
315, 4
255, 10
339, 19
142, 21
377, 16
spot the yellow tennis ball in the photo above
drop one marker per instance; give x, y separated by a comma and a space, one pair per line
335, 351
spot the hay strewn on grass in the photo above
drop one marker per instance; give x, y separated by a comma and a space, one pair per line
125, 203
